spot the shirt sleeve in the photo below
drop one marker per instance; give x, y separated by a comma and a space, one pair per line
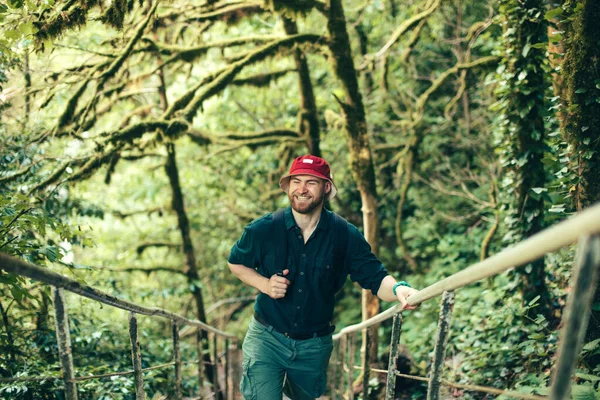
364, 267
245, 250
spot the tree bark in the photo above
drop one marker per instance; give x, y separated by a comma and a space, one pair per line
190, 269
524, 133
582, 120
308, 119
361, 158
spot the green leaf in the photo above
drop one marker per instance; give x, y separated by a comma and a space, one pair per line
555, 38
540, 45
591, 345
553, 13
539, 190
588, 377
581, 90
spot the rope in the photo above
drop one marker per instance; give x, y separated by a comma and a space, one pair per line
551, 239
20, 267
83, 378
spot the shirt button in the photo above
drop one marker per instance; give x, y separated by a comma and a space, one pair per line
304, 255
299, 290
327, 267
299, 236
301, 273
297, 307
295, 324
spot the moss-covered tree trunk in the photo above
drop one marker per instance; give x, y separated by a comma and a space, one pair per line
521, 92
190, 268
361, 157
582, 118
308, 120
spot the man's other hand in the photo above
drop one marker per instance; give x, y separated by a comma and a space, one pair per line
278, 285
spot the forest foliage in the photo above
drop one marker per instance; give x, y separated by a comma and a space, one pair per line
138, 138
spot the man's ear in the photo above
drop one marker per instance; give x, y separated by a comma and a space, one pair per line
327, 187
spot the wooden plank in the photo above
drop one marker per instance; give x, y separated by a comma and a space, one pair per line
200, 347
351, 359
226, 369
577, 314
441, 342
365, 364
136, 358
394, 341
63, 337
177, 360
215, 366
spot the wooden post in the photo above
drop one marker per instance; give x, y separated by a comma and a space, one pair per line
334, 367
366, 366
200, 348
226, 369
351, 359
136, 358
63, 337
177, 360
441, 341
343, 346
391, 377
236, 369
576, 315
215, 366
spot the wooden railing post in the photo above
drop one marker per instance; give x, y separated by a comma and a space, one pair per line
441, 341
63, 336
576, 315
343, 347
391, 376
177, 361
332, 377
351, 359
366, 368
136, 358
226, 369
215, 366
200, 347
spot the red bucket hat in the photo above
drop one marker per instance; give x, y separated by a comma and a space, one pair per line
309, 165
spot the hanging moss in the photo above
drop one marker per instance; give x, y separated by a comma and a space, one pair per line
53, 177
230, 73
291, 9
170, 128
67, 116
118, 62
115, 14
261, 80
63, 20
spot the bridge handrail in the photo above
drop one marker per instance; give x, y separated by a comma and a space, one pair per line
20, 267
551, 239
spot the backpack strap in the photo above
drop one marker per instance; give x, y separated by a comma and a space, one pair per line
279, 238
341, 236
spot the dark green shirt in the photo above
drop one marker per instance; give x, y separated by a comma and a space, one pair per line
316, 274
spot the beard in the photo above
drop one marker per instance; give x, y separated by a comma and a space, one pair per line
306, 207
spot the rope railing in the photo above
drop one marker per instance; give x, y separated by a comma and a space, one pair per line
585, 226
60, 283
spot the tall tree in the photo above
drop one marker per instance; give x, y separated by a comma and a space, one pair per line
361, 158
521, 92
581, 128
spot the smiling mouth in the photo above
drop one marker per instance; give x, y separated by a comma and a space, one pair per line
303, 198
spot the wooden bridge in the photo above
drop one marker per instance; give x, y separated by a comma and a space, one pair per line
219, 352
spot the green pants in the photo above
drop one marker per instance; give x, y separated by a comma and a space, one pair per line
270, 357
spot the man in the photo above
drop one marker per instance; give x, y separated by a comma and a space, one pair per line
299, 258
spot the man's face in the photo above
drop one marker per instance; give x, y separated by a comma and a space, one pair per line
307, 192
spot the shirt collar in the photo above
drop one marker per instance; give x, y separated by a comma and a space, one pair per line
323, 222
